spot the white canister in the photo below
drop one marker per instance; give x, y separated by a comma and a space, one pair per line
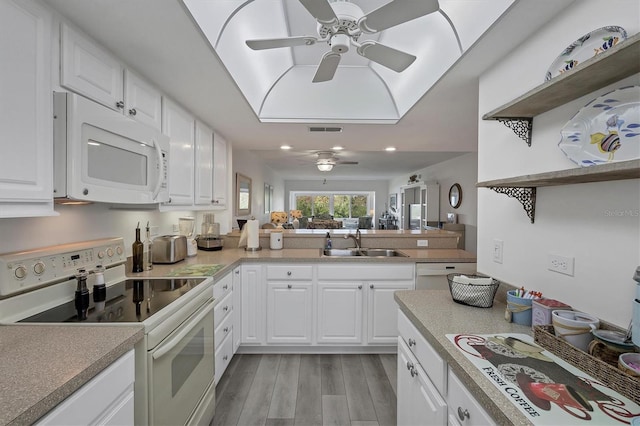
275, 240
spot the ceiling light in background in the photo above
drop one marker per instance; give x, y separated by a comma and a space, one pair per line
390, 148
325, 167
285, 147
337, 148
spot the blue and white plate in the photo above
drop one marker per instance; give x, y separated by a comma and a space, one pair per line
587, 46
605, 130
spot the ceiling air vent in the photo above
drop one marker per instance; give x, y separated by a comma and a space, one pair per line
326, 129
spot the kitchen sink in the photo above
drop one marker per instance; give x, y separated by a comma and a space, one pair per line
365, 252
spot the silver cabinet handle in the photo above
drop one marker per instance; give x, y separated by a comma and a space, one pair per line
360, 287
289, 286
120, 104
224, 287
370, 285
409, 365
288, 273
413, 372
412, 342
226, 329
463, 413
224, 358
237, 272
226, 308
133, 111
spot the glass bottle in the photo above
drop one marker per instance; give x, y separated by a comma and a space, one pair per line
137, 250
147, 250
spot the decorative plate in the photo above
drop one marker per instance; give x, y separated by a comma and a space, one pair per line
587, 46
605, 130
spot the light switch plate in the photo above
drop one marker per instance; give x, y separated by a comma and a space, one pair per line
497, 250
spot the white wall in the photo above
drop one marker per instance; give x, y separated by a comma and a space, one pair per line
250, 165
462, 170
380, 187
597, 223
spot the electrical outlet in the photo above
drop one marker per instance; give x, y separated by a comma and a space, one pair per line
423, 243
560, 264
497, 250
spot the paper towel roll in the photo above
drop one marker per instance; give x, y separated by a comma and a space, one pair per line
253, 234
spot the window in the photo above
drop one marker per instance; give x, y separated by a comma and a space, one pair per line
336, 204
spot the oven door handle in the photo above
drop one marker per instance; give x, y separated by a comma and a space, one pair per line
168, 346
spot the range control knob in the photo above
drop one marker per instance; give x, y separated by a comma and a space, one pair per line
119, 250
110, 252
20, 272
39, 268
100, 254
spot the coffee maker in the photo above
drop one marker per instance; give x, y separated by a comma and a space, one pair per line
209, 238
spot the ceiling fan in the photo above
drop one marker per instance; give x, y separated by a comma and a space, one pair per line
341, 23
328, 159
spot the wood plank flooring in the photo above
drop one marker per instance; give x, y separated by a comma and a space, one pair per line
308, 390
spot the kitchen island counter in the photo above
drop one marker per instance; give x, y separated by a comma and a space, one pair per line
44, 364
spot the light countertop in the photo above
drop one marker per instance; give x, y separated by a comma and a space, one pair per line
44, 364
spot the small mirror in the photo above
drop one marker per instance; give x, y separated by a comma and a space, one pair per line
243, 195
455, 195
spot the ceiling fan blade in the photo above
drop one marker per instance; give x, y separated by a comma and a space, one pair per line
321, 10
347, 162
327, 68
272, 43
386, 56
395, 13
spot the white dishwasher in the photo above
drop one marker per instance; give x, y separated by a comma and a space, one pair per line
433, 276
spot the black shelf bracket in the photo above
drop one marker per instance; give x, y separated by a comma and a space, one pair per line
520, 126
526, 197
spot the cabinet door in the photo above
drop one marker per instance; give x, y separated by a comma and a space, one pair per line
178, 124
252, 306
219, 171
339, 311
289, 312
204, 165
237, 309
142, 101
419, 402
26, 145
464, 406
88, 69
382, 311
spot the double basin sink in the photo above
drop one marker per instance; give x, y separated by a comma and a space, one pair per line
363, 252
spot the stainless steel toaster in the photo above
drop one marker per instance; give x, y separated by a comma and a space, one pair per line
169, 248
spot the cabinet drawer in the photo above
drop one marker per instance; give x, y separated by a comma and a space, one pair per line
222, 330
351, 271
222, 309
432, 363
222, 287
223, 357
463, 406
297, 272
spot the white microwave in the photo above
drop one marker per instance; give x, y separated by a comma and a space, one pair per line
100, 155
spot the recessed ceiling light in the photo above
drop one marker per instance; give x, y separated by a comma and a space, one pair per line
285, 147
390, 148
337, 148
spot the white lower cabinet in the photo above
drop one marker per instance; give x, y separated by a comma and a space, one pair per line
107, 399
252, 306
419, 402
237, 311
429, 393
223, 321
289, 312
339, 312
382, 326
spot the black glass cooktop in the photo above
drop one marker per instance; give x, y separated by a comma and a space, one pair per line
127, 301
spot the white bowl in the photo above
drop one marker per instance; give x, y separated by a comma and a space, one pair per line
574, 327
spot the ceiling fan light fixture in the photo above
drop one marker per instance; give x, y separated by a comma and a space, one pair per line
325, 167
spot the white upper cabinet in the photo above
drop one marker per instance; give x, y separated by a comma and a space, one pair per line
220, 173
88, 69
179, 125
26, 123
204, 165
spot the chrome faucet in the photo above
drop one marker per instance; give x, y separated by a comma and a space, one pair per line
356, 238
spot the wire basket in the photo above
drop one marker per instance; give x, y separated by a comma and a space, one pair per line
478, 295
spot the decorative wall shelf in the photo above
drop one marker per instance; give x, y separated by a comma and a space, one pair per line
621, 61
523, 188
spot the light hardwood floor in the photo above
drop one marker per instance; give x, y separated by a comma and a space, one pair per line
307, 390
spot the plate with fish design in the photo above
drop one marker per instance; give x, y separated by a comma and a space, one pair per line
587, 46
605, 130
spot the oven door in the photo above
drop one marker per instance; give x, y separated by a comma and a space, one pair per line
181, 369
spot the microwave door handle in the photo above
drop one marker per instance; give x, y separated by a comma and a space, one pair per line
164, 349
156, 145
